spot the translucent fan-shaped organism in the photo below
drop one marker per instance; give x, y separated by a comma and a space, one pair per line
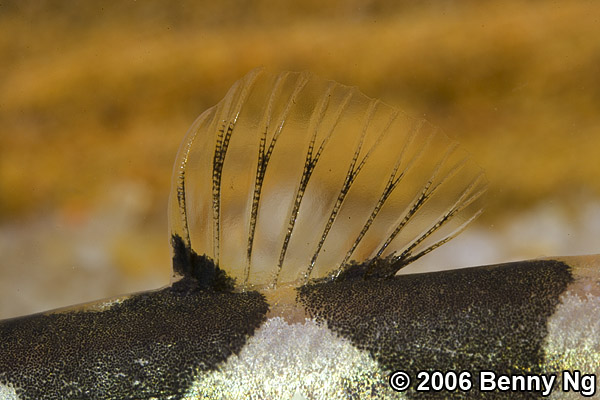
292, 178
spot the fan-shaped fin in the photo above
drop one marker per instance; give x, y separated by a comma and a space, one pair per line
292, 177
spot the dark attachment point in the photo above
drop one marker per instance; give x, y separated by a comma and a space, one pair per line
198, 271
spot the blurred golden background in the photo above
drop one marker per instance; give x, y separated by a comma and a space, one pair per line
95, 98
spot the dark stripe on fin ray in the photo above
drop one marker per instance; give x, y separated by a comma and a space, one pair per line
264, 154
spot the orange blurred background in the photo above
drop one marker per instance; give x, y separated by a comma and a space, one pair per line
96, 96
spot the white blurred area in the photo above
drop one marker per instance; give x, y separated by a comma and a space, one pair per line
550, 228
60, 259
74, 256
